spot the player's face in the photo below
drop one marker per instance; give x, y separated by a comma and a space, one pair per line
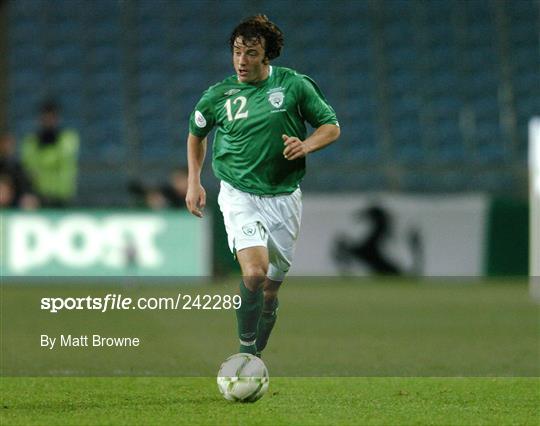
249, 60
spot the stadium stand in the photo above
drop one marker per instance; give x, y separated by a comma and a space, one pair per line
431, 96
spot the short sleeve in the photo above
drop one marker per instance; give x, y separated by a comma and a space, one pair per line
202, 119
314, 107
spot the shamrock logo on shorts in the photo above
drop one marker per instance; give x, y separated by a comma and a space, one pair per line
249, 230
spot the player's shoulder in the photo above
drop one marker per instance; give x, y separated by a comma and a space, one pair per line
288, 73
291, 75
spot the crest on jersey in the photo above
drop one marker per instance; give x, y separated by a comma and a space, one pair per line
276, 99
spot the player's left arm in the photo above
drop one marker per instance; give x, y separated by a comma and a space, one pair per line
315, 109
323, 136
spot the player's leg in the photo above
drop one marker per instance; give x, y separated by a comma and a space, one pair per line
247, 237
254, 264
268, 314
282, 238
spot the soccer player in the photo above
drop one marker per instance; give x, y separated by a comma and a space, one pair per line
259, 154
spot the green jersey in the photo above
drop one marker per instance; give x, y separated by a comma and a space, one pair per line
250, 120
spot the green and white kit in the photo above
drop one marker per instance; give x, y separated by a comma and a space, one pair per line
253, 220
250, 120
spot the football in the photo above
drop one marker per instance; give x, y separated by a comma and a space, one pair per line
243, 378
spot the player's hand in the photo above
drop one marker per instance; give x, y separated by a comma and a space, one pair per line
294, 148
196, 200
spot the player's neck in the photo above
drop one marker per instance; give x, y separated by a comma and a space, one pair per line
264, 74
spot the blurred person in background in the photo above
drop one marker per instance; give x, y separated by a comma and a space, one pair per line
175, 190
7, 192
154, 199
259, 155
16, 190
171, 194
50, 156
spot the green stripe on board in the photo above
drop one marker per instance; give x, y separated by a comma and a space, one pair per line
507, 252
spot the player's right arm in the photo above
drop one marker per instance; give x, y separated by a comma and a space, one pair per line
201, 122
196, 195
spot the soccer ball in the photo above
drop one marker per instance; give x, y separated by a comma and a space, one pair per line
243, 377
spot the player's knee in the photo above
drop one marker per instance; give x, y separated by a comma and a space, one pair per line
270, 296
271, 289
255, 271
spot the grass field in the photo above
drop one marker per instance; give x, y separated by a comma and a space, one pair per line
299, 401
457, 352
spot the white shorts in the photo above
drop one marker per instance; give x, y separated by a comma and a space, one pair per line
269, 221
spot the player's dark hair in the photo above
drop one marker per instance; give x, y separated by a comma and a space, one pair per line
256, 28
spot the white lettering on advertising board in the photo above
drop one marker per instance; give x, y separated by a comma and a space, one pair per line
78, 241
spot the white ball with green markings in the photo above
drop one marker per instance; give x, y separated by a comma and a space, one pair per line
243, 378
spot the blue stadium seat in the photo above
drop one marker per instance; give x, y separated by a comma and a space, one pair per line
436, 79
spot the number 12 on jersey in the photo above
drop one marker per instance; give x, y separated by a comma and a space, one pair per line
240, 113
